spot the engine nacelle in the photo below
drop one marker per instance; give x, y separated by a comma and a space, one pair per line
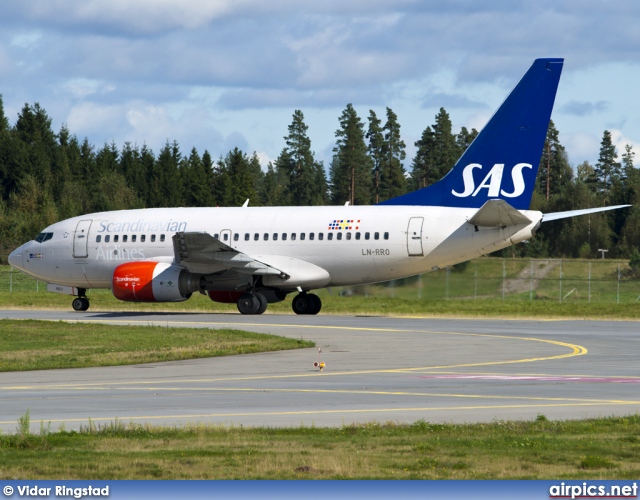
146, 281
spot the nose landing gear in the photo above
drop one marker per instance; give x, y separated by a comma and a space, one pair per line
80, 303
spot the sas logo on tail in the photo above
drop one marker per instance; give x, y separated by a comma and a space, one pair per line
492, 181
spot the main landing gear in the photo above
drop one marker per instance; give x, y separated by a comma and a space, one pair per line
306, 303
252, 303
81, 302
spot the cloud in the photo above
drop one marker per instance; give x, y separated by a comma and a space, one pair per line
581, 146
202, 70
448, 101
584, 108
620, 141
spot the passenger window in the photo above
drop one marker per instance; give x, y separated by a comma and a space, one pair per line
330, 236
162, 237
124, 238
142, 238
301, 236
320, 236
339, 236
357, 236
293, 236
107, 238
256, 236
246, 236
98, 238
236, 237
366, 236
376, 236
275, 236
386, 236
216, 236
133, 238
311, 236
225, 237
348, 236
115, 238
266, 237
153, 238
284, 236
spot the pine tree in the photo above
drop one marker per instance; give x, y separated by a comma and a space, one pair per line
166, 184
375, 148
438, 151
195, 181
7, 181
446, 149
241, 185
392, 179
257, 175
554, 173
269, 191
38, 144
423, 168
298, 163
464, 139
608, 171
351, 166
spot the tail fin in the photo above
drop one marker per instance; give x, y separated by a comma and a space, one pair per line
502, 162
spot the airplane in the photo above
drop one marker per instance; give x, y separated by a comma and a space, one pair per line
254, 256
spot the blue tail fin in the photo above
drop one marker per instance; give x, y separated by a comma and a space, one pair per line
502, 162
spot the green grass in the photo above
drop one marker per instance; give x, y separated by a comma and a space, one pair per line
605, 448
43, 345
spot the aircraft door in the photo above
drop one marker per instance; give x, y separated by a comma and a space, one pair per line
81, 239
414, 237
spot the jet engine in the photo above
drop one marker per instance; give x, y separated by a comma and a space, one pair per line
146, 281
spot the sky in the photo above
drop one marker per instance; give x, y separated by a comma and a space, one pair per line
219, 74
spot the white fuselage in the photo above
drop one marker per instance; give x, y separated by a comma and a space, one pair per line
381, 243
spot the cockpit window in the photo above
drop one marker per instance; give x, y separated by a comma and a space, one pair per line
42, 237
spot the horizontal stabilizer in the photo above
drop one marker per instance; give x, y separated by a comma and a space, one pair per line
498, 213
575, 213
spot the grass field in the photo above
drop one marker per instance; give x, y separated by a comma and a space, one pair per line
43, 345
607, 448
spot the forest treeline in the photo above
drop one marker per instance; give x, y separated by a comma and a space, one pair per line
48, 176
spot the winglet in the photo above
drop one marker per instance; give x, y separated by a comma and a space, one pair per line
502, 162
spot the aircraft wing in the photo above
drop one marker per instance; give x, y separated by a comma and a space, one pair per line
202, 253
498, 213
574, 213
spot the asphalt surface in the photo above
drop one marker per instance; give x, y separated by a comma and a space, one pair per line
377, 369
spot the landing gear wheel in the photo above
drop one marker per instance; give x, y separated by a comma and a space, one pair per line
263, 303
248, 303
316, 303
80, 304
306, 303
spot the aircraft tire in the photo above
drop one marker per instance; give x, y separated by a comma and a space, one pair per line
263, 303
248, 303
303, 304
80, 304
316, 303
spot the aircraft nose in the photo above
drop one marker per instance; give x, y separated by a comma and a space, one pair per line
15, 257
